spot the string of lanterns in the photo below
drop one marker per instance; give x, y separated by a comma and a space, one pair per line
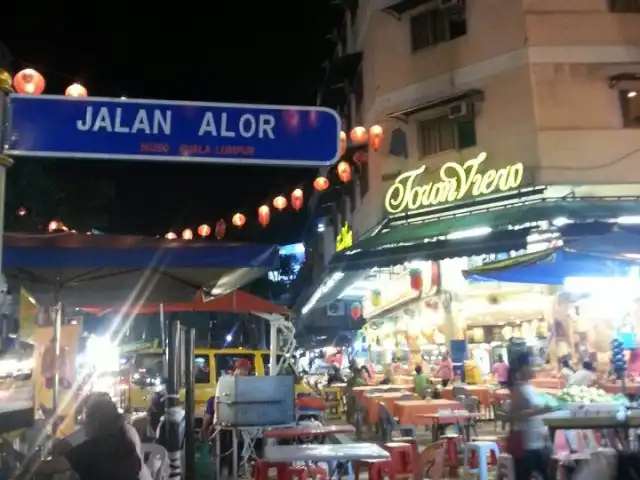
31, 82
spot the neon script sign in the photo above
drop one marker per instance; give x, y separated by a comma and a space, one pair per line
456, 182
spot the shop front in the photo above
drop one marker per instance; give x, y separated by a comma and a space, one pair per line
409, 274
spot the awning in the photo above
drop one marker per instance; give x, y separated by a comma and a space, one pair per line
550, 267
237, 301
400, 7
473, 95
109, 269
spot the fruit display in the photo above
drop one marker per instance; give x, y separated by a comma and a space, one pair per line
588, 395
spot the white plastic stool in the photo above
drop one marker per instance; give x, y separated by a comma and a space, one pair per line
482, 449
157, 460
506, 469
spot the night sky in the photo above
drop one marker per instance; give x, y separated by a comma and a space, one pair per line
224, 51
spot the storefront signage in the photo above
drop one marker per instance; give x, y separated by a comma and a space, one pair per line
456, 182
344, 239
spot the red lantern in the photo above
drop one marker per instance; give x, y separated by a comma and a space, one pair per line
187, 234
22, 212
264, 215
221, 229
297, 199
75, 90
356, 311
358, 135
280, 203
360, 157
204, 230
170, 236
321, 184
343, 143
54, 225
239, 220
415, 279
375, 137
29, 81
344, 171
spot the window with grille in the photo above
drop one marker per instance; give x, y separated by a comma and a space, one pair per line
440, 134
435, 26
630, 104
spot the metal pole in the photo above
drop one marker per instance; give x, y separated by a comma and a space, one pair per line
273, 348
189, 405
172, 415
57, 328
5, 162
163, 342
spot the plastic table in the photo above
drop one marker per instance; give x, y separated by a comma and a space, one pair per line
324, 453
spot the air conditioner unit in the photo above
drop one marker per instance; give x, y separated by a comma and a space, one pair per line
336, 309
458, 109
450, 3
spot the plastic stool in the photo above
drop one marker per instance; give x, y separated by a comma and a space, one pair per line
376, 469
317, 473
451, 457
506, 470
295, 472
403, 460
261, 469
483, 449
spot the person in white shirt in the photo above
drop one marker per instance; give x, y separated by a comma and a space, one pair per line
585, 377
567, 370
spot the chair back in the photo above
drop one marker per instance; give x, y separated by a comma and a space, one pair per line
456, 391
471, 404
157, 460
432, 460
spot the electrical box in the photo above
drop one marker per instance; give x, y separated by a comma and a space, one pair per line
256, 401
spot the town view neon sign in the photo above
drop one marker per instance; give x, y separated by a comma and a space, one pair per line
456, 182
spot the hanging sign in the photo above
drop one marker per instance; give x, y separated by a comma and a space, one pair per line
345, 239
456, 182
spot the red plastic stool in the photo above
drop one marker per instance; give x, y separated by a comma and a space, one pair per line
318, 473
451, 458
402, 458
473, 459
261, 469
295, 472
416, 451
376, 469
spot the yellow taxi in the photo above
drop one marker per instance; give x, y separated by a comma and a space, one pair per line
143, 368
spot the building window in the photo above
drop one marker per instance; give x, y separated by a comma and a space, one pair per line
443, 133
624, 6
432, 27
202, 373
630, 102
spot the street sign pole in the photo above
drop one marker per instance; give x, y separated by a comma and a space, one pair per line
5, 162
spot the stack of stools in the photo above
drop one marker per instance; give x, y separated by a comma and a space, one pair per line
476, 458
402, 464
261, 469
451, 457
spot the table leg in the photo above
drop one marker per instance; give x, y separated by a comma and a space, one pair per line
234, 452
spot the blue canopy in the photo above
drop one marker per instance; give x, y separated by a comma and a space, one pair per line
550, 267
617, 243
103, 269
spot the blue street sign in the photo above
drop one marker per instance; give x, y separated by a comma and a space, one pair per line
157, 130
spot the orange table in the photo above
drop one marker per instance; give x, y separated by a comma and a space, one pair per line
405, 410
504, 394
359, 392
556, 383
483, 392
370, 403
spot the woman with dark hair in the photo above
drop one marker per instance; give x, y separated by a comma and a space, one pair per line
528, 435
107, 453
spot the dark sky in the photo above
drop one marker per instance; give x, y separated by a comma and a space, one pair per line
221, 51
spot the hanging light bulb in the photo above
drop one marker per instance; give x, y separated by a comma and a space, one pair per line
187, 234
76, 90
170, 236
